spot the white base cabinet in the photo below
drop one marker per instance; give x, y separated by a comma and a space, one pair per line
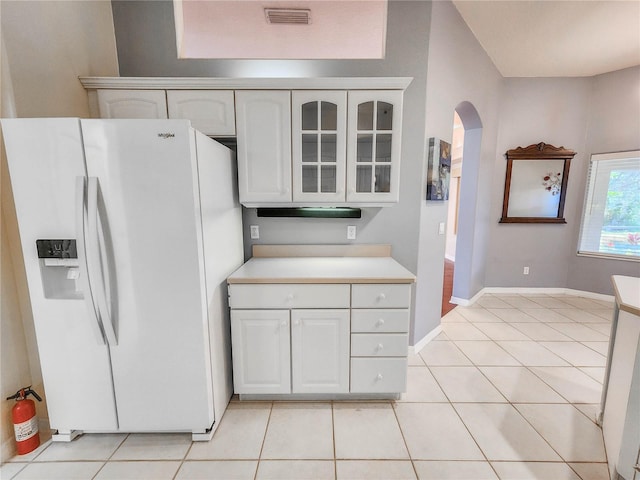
319, 338
320, 351
261, 351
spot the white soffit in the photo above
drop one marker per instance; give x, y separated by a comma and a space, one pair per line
338, 29
556, 38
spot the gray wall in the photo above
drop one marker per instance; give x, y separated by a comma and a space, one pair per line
588, 115
146, 47
459, 70
614, 125
554, 111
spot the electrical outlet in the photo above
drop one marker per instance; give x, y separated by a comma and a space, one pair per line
255, 232
525, 271
351, 232
441, 228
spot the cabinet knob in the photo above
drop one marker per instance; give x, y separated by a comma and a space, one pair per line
381, 296
296, 322
380, 322
284, 323
380, 347
290, 297
379, 377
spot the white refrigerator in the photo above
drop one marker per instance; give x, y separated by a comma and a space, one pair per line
128, 229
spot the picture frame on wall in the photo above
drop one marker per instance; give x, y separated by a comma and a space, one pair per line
438, 170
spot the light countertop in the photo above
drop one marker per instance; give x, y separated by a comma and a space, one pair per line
322, 270
627, 293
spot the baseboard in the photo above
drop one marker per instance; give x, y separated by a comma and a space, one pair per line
415, 349
466, 302
534, 291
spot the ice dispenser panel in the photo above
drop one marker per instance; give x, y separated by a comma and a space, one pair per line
59, 268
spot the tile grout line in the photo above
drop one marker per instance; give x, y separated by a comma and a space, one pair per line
514, 406
393, 405
264, 438
111, 456
333, 436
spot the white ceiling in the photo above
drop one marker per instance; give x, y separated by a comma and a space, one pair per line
555, 38
524, 38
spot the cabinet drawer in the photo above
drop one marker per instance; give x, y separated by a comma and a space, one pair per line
381, 296
379, 344
378, 375
288, 296
379, 320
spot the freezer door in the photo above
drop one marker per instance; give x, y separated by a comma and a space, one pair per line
152, 264
45, 161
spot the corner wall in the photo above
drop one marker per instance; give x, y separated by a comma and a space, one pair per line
586, 114
614, 126
45, 47
459, 70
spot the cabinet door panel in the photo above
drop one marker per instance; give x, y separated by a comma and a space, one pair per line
318, 125
320, 351
261, 355
373, 146
132, 104
210, 111
264, 146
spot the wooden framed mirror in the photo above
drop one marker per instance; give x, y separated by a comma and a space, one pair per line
535, 184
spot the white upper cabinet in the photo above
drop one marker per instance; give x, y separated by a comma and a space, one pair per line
373, 146
263, 120
132, 103
318, 129
210, 111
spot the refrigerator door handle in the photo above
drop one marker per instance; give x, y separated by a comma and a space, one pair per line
95, 262
83, 278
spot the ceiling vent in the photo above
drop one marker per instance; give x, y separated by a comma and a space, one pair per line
288, 16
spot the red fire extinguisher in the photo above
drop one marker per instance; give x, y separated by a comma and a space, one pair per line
25, 423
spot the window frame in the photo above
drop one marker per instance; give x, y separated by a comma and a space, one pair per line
597, 186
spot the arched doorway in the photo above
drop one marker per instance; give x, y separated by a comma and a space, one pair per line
464, 215
457, 144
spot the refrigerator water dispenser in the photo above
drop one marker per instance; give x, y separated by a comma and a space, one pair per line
59, 268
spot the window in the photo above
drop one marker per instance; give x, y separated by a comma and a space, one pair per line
611, 219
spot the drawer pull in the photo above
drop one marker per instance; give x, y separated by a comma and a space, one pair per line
379, 377
290, 297
381, 297
380, 322
379, 347
284, 323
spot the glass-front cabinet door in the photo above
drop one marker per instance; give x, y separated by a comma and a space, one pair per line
373, 155
319, 145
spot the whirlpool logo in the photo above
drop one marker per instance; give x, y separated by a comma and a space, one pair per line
166, 135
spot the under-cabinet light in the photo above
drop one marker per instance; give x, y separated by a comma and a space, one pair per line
311, 212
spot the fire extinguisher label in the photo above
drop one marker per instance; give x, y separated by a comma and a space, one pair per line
26, 430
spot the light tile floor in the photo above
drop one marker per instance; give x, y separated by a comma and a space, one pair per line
509, 390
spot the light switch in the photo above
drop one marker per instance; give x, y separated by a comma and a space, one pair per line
441, 228
255, 232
